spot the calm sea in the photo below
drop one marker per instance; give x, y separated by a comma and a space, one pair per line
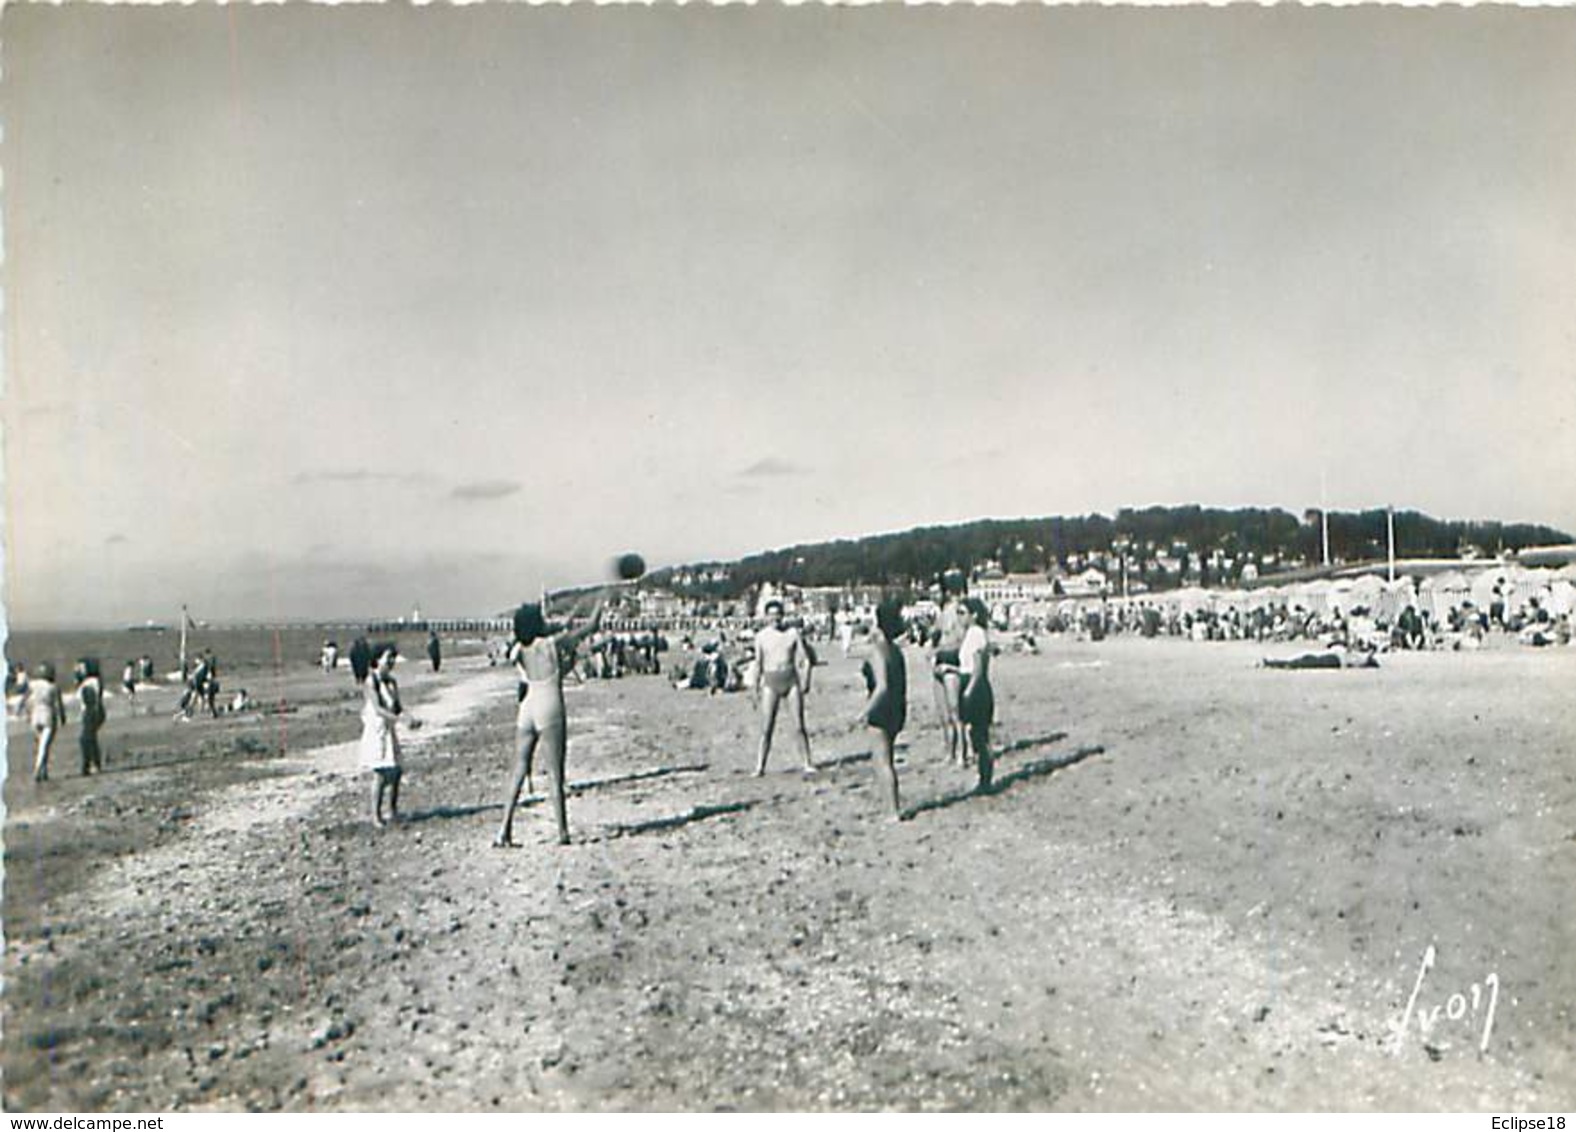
239, 650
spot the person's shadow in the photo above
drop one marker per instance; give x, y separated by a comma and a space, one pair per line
1039, 768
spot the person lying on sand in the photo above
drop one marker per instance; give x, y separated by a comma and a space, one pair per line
1333, 657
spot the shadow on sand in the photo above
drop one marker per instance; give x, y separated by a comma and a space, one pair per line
444, 812
900, 749
1039, 768
1031, 742
635, 776
694, 814
537, 798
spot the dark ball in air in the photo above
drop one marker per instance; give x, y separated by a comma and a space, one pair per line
630, 566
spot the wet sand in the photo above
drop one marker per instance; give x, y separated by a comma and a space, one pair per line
1202, 885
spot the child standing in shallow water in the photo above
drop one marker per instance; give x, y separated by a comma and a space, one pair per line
380, 713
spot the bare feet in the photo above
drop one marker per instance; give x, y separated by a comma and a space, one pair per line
504, 841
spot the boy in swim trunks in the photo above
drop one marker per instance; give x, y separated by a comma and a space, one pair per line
783, 672
947, 682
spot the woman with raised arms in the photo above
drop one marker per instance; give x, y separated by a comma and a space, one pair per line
540, 656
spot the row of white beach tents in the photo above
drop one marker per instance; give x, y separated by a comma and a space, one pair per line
1437, 594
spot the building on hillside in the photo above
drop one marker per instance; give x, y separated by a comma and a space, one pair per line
1087, 583
1014, 588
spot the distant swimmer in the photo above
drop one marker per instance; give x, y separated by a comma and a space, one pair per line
90, 692
46, 712
886, 682
329, 657
782, 671
128, 680
434, 650
540, 659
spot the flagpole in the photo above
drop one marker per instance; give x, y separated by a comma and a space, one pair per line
1324, 516
185, 620
1390, 528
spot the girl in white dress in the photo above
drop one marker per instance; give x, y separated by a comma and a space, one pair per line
380, 714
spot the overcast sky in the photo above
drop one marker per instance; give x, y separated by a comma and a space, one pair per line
316, 311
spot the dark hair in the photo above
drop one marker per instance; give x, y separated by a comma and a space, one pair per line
383, 647
953, 582
889, 618
360, 659
771, 601
529, 624
89, 666
977, 607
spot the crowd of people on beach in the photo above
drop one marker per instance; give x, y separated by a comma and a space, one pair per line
38, 698
1413, 627
777, 669
774, 663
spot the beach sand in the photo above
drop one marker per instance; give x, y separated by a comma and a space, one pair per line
1202, 885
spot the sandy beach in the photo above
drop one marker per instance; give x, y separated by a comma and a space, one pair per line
1202, 885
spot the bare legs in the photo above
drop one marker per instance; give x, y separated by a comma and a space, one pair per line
46, 740
385, 780
553, 742
949, 690
886, 769
769, 703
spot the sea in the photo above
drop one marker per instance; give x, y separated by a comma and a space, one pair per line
238, 649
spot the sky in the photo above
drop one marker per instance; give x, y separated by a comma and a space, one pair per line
339, 311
